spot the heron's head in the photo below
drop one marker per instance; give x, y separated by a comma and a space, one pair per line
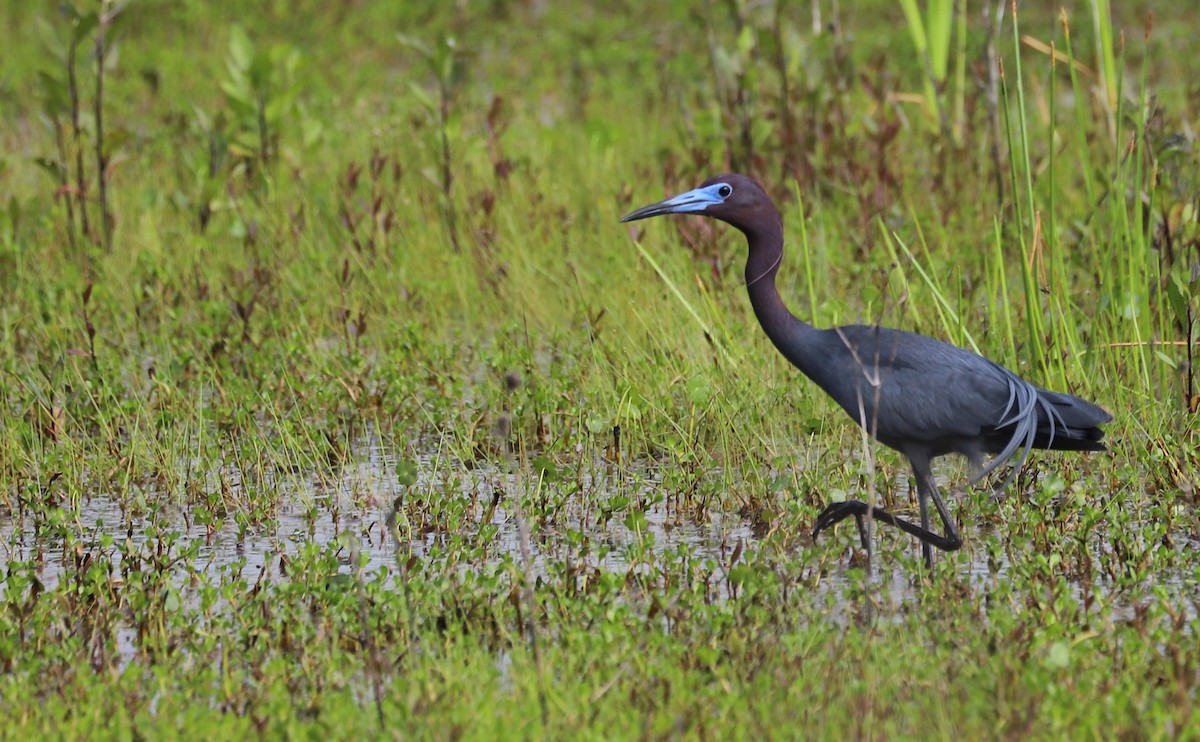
732, 198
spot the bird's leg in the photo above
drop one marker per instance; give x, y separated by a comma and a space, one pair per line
836, 512
927, 490
923, 502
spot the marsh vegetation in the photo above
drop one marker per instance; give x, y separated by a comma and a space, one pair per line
336, 401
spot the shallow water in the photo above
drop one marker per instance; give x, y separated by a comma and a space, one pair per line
354, 513
350, 511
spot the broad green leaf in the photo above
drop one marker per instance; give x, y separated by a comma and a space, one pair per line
241, 50
84, 25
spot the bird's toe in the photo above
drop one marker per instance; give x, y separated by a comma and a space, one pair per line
834, 513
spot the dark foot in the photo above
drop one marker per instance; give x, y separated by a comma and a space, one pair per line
836, 512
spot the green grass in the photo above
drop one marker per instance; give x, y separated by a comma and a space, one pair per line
336, 231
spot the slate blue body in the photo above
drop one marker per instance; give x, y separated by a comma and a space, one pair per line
920, 396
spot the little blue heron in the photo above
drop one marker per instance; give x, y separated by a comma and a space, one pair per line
920, 396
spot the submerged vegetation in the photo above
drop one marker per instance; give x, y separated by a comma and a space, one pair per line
335, 399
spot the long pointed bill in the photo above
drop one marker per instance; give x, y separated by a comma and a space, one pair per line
690, 202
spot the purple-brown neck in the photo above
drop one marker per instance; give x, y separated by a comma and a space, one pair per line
763, 228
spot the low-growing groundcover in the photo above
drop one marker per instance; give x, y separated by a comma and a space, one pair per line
336, 401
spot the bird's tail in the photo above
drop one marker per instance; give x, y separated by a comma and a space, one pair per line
1039, 418
1068, 423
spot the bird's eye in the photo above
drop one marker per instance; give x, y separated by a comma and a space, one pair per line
724, 191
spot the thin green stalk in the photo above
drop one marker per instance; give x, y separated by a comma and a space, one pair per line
1018, 212
1106, 65
106, 217
1023, 125
1150, 264
806, 253
1056, 288
1079, 95
708, 330
946, 313
1133, 298
77, 138
894, 259
1001, 291
1083, 156
1033, 311
960, 73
